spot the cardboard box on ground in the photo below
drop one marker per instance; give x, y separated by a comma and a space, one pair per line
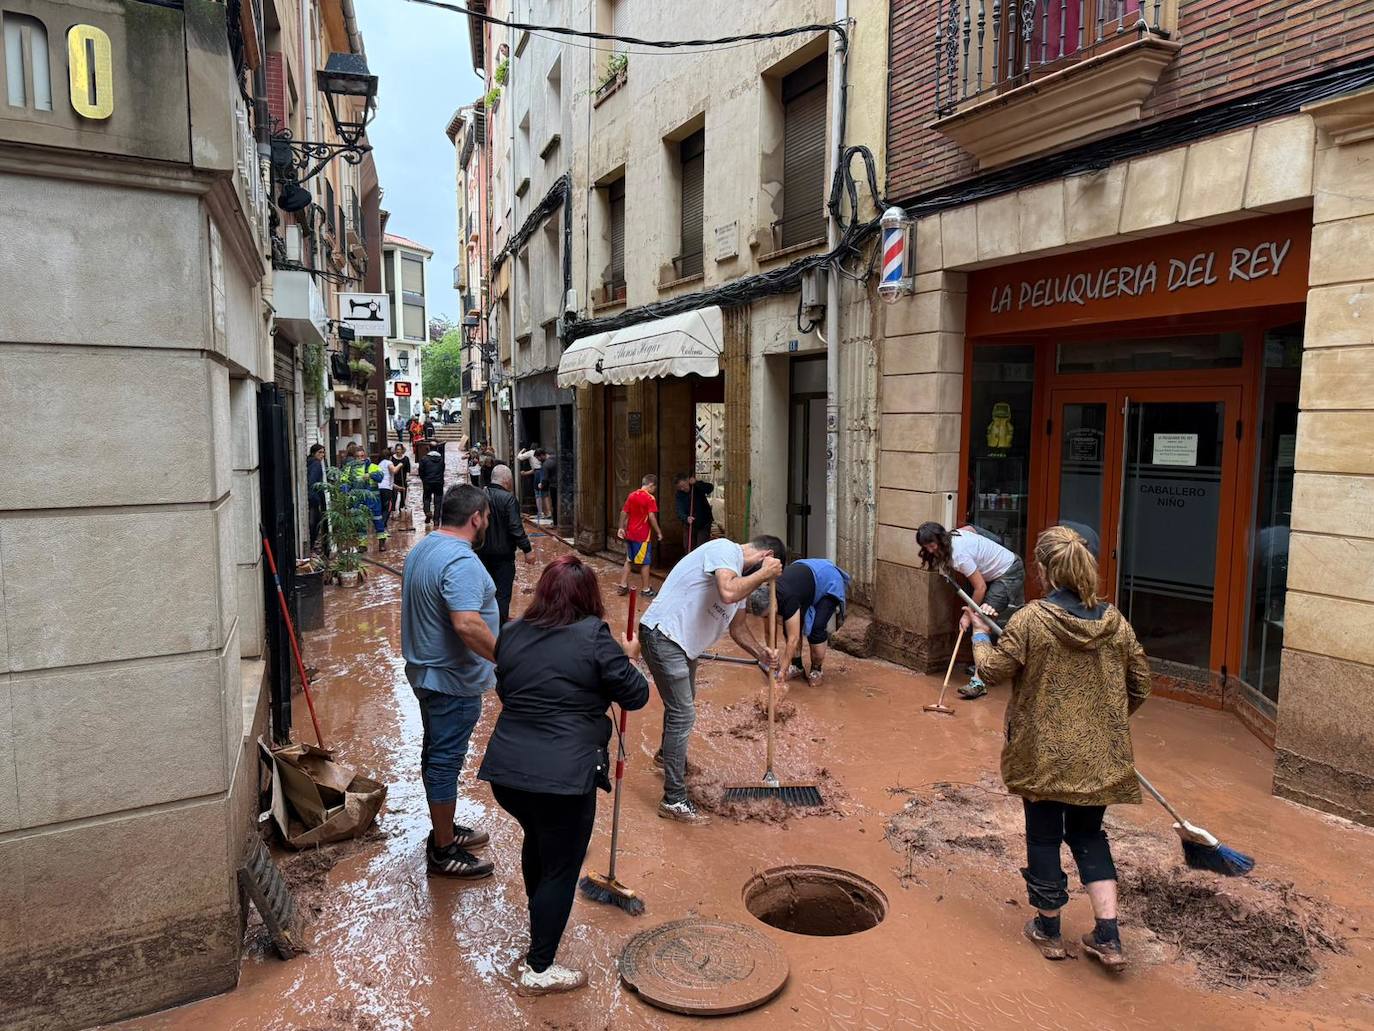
316, 800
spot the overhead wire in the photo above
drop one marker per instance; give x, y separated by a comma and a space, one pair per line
662, 44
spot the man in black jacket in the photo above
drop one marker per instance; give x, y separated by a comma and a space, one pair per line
694, 508
431, 470
505, 533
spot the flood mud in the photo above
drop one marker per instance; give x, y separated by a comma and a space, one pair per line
1242, 932
395, 950
731, 751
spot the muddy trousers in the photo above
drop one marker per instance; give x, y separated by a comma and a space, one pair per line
675, 676
1050, 824
557, 829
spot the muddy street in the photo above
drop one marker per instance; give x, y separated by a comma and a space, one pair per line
913, 808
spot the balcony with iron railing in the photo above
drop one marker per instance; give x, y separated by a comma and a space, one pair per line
1015, 78
357, 231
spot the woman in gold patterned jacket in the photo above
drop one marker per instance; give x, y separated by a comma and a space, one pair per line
1077, 673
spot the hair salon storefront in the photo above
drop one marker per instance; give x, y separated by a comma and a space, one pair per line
1148, 392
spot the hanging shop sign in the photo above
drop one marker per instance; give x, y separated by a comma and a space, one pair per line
368, 315
1257, 262
402, 388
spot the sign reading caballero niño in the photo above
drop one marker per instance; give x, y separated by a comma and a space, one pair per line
1257, 262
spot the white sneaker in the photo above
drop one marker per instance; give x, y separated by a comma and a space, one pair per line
554, 979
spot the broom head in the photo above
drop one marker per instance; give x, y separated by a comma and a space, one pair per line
1221, 859
607, 889
936, 707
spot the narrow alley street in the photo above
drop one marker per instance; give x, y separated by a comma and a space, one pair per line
913, 804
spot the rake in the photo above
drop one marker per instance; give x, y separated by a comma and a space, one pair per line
770, 787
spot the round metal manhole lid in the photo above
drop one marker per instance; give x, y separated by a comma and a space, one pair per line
703, 967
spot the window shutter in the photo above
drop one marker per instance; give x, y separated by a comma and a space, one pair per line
693, 155
803, 154
617, 204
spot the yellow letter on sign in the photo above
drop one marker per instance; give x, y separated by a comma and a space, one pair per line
92, 75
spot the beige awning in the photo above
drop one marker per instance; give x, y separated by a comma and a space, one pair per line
680, 345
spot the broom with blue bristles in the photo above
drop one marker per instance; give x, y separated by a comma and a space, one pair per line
1201, 849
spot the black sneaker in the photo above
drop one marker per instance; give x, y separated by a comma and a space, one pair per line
467, 837
455, 861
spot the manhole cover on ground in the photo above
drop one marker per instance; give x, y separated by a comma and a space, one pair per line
703, 967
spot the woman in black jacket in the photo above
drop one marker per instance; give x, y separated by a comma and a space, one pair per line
558, 669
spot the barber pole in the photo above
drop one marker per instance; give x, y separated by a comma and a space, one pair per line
896, 229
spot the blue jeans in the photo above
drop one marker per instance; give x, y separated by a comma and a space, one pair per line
448, 721
675, 676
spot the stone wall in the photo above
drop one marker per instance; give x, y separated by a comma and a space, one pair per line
1325, 740
128, 546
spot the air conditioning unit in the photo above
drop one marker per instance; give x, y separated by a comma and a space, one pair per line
293, 243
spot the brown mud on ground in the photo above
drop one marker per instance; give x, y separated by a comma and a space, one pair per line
1238, 932
729, 748
306, 874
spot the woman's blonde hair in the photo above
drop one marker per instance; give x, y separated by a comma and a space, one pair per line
1067, 562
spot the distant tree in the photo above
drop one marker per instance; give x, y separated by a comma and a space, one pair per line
441, 365
439, 325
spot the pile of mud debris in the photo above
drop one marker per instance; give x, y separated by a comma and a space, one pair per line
1237, 932
729, 749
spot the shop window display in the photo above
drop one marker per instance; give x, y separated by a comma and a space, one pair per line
997, 490
1273, 511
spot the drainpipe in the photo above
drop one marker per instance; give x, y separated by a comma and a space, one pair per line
355, 38
839, 64
509, 94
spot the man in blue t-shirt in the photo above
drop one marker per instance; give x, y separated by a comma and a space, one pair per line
449, 621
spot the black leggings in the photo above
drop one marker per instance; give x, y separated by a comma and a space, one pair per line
1047, 825
557, 829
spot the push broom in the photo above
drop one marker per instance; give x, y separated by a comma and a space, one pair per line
770, 786
1201, 849
593, 885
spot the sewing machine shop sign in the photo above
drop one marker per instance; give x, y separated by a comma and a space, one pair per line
368, 315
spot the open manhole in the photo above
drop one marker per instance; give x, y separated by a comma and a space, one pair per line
816, 900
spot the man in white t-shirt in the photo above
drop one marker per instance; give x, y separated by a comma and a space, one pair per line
996, 576
702, 597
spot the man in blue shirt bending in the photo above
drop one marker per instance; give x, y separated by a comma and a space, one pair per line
449, 621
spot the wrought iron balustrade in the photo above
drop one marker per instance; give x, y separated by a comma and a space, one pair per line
984, 47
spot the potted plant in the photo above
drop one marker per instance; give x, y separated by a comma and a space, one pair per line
349, 519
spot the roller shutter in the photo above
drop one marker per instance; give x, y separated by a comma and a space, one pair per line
803, 154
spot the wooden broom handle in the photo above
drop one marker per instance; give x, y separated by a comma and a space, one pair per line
771, 635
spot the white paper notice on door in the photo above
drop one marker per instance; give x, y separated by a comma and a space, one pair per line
1175, 449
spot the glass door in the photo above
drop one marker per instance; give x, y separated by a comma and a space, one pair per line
1085, 435
1147, 477
1171, 493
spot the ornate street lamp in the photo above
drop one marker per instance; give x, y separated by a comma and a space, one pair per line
298, 161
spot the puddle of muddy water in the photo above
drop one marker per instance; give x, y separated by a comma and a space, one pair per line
1237, 932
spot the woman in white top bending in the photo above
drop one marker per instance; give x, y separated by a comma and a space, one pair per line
996, 576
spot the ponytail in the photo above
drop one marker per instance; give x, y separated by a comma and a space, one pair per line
1067, 562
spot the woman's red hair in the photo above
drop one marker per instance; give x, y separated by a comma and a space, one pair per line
567, 592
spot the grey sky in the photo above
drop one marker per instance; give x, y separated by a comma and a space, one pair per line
423, 63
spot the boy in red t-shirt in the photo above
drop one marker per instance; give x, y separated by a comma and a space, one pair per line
637, 519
